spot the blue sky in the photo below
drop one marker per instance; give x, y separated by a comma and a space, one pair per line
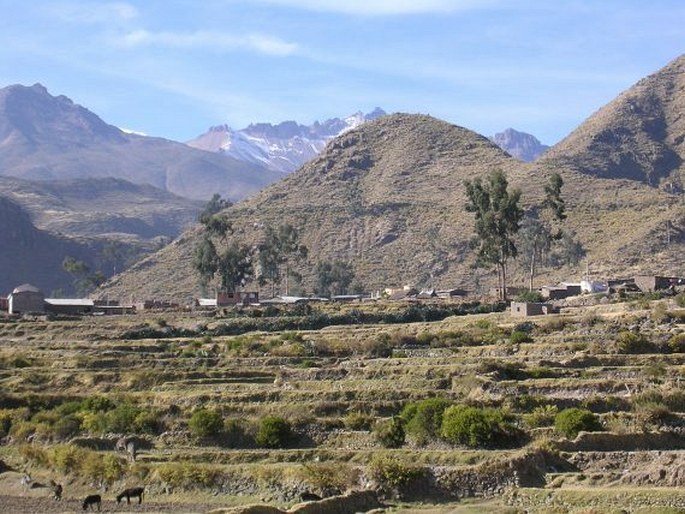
172, 68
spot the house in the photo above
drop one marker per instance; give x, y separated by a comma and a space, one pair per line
531, 308
651, 283
560, 291
451, 293
156, 305
26, 299
236, 298
69, 306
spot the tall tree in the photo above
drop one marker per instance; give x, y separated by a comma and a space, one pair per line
333, 277
84, 280
232, 262
281, 246
497, 220
215, 205
542, 227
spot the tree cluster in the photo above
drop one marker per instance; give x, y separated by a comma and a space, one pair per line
504, 230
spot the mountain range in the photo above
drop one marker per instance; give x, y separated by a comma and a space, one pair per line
384, 192
43, 137
283, 147
389, 197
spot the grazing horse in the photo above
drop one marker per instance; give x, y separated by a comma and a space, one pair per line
91, 501
57, 492
132, 492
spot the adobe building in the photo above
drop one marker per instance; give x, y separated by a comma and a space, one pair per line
26, 299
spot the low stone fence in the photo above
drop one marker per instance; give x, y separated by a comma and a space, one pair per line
610, 441
351, 503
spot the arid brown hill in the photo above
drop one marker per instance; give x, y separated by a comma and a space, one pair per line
103, 207
31, 255
640, 135
389, 197
43, 137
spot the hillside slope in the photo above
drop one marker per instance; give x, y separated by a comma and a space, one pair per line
640, 135
31, 255
106, 207
43, 137
389, 197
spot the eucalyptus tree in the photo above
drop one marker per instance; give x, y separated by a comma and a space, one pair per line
497, 221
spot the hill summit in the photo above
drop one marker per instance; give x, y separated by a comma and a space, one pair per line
43, 137
640, 135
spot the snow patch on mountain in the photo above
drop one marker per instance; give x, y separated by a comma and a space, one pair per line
283, 147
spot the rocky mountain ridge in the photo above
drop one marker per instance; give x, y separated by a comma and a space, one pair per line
283, 147
43, 137
523, 146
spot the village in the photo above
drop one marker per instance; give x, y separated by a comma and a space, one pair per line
27, 299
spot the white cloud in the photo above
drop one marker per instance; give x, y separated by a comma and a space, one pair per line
208, 39
383, 7
93, 13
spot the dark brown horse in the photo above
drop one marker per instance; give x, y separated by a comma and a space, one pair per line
92, 501
132, 492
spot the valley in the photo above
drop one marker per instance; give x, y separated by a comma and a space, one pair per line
337, 389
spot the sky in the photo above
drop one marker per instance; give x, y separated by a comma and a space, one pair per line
173, 68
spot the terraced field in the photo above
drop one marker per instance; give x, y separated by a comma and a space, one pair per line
69, 389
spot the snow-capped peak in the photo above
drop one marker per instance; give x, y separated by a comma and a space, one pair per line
283, 147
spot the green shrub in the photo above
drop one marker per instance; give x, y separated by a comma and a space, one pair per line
518, 337
542, 416
569, 422
97, 404
336, 476
67, 427
530, 296
273, 432
205, 423
392, 473
390, 432
676, 343
477, 428
424, 419
631, 342
358, 420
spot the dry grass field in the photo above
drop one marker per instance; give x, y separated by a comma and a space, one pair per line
261, 417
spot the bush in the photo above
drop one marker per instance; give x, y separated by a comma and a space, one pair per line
67, 427
631, 342
571, 421
205, 423
424, 418
393, 473
477, 428
273, 432
530, 296
390, 433
542, 416
676, 344
518, 337
358, 420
